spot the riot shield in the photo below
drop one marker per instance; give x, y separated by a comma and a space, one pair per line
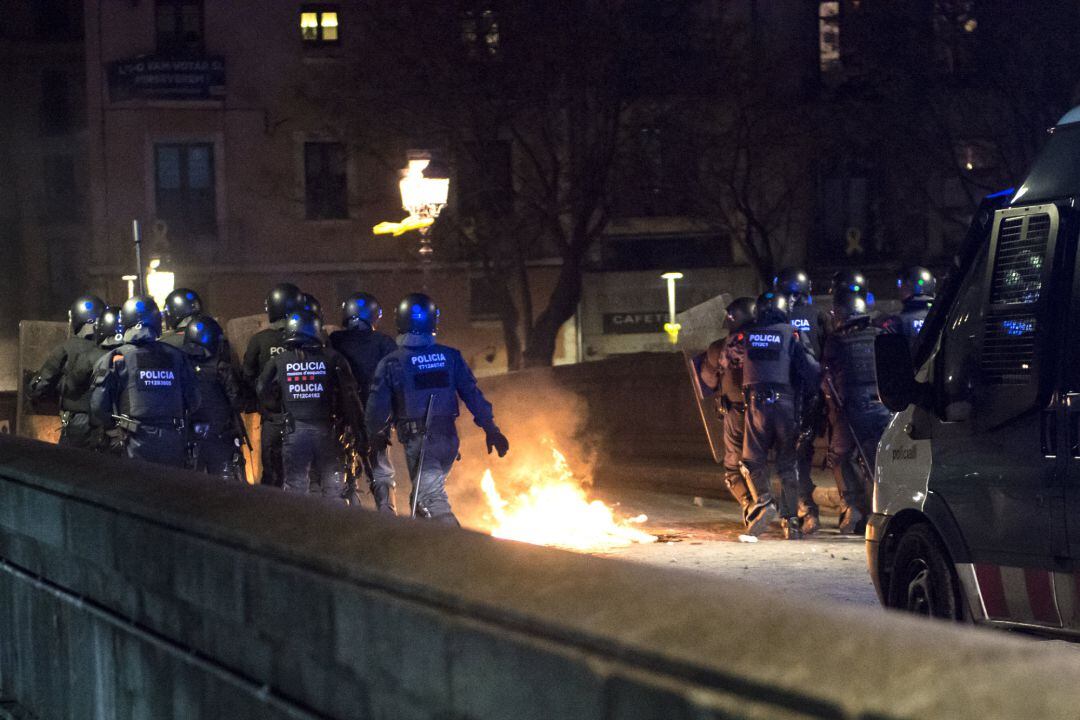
706, 404
38, 420
239, 331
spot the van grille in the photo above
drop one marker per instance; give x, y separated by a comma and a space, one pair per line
1008, 352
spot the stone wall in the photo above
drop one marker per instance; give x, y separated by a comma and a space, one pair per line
128, 591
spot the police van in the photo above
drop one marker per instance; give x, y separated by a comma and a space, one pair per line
977, 488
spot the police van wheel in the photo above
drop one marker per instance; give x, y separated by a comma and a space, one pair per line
922, 580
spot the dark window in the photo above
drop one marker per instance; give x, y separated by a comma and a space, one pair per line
480, 33
61, 194
184, 188
54, 20
663, 253
319, 25
56, 110
325, 181
179, 25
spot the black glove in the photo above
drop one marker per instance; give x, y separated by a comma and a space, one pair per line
498, 442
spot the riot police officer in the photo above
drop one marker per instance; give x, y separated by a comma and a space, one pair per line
146, 388
109, 335
311, 303
722, 372
416, 389
264, 345
775, 363
60, 374
216, 427
181, 305
313, 388
849, 280
917, 288
805, 317
363, 347
858, 418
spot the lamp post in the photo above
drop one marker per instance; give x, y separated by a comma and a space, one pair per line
671, 327
424, 191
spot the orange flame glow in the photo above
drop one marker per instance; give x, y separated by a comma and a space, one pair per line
554, 510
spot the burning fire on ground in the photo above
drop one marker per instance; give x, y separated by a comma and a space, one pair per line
552, 508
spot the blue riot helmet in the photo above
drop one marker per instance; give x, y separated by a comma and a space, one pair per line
141, 310
848, 306
282, 300
361, 307
739, 312
852, 280
772, 307
793, 282
85, 309
302, 326
417, 314
181, 303
311, 303
204, 336
916, 281
109, 327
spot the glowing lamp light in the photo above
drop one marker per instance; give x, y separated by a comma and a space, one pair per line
671, 327
424, 193
159, 283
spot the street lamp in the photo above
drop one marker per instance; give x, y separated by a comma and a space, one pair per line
671, 327
159, 282
424, 191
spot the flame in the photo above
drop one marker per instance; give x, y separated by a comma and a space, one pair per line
554, 510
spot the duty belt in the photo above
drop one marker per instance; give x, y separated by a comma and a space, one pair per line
767, 395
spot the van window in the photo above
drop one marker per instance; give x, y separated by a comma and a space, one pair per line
957, 367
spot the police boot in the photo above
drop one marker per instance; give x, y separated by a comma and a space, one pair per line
759, 517
809, 519
852, 521
792, 528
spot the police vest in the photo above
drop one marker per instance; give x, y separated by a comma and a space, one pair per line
308, 382
215, 408
912, 319
731, 382
152, 392
806, 319
418, 374
850, 360
363, 349
768, 354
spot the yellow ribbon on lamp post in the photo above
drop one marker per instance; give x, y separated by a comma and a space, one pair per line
398, 229
671, 327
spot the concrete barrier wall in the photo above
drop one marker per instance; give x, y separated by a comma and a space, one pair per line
127, 591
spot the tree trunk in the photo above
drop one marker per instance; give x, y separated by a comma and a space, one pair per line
563, 303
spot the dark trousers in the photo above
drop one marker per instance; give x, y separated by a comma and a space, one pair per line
270, 452
812, 417
77, 432
734, 434
312, 450
382, 480
161, 444
770, 425
868, 418
440, 453
220, 458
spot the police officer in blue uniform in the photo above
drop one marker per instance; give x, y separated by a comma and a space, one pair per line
60, 375
264, 345
721, 372
312, 388
858, 418
810, 322
416, 389
775, 363
216, 427
180, 306
917, 288
146, 388
364, 347
109, 335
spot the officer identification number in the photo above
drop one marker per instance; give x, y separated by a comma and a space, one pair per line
155, 378
305, 380
763, 345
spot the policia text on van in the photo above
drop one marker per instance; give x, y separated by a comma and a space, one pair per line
977, 497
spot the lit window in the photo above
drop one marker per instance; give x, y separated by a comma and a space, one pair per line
480, 33
319, 25
829, 35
